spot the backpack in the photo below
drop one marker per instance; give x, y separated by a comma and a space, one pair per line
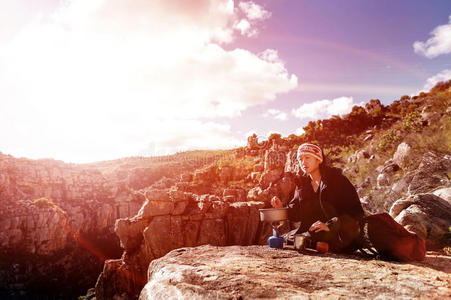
390, 239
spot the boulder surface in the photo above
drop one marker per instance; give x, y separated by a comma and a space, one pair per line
255, 272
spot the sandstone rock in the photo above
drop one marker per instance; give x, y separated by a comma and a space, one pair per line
238, 194
383, 179
206, 175
431, 173
363, 154
164, 234
428, 115
191, 229
258, 272
217, 210
226, 173
389, 167
213, 198
402, 185
274, 159
259, 168
179, 207
269, 177
255, 194
292, 164
114, 281
186, 177
373, 106
252, 142
426, 214
242, 222
176, 196
444, 193
230, 198
212, 231
157, 195
130, 232
401, 156
155, 208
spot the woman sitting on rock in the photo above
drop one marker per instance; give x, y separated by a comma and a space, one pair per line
325, 202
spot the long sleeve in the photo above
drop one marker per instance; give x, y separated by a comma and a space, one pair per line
294, 207
351, 205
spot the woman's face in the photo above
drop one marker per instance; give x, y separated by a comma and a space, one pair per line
309, 164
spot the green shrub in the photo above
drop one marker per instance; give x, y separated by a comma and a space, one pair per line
412, 122
388, 140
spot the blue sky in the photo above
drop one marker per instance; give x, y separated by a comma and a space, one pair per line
89, 80
338, 45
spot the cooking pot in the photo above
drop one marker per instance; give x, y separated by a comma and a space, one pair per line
273, 214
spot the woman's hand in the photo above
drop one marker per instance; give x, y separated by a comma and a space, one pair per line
276, 202
318, 226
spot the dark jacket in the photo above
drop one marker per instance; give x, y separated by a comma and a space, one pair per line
339, 205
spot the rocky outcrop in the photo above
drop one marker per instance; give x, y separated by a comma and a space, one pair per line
273, 167
57, 220
401, 156
169, 220
394, 179
432, 173
257, 272
426, 214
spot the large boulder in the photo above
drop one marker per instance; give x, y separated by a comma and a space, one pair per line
258, 272
427, 215
401, 156
432, 173
444, 193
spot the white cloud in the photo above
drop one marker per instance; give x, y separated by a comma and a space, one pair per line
299, 131
276, 114
254, 11
325, 108
439, 43
444, 75
183, 135
245, 28
95, 79
252, 14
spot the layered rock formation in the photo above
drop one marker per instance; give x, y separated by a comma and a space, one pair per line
256, 272
57, 220
169, 220
174, 219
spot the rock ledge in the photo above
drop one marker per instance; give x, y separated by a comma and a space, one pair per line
252, 272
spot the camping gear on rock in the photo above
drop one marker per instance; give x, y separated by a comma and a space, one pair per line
390, 239
276, 217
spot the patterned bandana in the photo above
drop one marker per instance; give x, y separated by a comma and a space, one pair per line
310, 149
